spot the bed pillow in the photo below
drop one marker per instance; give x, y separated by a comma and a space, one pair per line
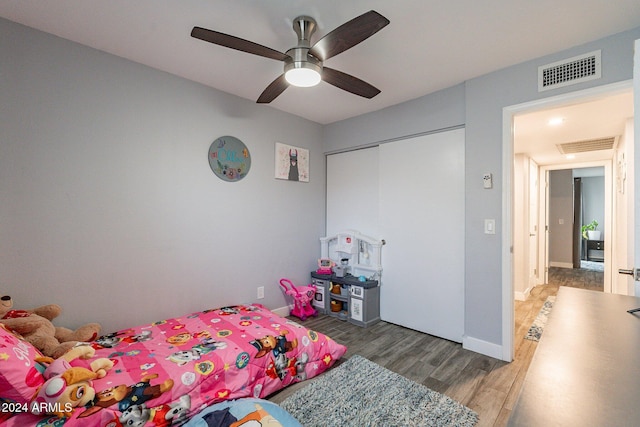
19, 376
247, 411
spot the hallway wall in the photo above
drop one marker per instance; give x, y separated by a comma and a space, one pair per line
560, 218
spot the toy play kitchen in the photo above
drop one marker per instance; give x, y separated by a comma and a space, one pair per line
348, 277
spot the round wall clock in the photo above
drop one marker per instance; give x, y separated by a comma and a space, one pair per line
229, 158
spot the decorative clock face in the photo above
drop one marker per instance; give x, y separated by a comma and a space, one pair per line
229, 158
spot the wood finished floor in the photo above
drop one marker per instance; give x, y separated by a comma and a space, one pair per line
488, 386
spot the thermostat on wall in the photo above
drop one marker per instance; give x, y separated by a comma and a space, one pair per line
487, 180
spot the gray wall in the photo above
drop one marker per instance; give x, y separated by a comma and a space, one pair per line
439, 110
107, 199
482, 99
593, 201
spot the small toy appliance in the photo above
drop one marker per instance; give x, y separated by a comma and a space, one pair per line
324, 266
341, 270
302, 299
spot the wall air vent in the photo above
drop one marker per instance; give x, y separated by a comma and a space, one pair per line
587, 145
570, 71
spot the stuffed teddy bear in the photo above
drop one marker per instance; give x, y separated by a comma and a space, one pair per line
68, 386
36, 328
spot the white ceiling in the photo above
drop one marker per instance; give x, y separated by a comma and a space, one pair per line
429, 44
603, 117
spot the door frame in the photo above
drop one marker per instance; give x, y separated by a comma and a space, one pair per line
508, 114
608, 214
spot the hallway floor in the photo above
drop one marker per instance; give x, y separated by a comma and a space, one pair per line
589, 279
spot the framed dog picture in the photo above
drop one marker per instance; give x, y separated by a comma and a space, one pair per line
292, 163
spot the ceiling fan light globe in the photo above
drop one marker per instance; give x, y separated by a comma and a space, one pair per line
302, 77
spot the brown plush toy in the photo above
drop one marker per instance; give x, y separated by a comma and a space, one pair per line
36, 328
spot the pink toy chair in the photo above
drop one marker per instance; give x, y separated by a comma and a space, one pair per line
302, 299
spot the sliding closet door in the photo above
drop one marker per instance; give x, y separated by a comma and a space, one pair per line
410, 193
352, 192
421, 217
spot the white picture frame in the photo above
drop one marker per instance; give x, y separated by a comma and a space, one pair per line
291, 163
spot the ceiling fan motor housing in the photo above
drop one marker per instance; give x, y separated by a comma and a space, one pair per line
299, 57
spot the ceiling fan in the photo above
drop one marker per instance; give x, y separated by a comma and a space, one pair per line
303, 64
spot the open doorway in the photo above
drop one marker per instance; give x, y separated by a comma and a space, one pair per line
576, 201
553, 144
543, 154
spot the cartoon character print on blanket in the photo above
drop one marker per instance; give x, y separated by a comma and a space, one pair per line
166, 372
126, 396
182, 357
281, 364
174, 413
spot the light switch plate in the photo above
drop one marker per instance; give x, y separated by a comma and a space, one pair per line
489, 226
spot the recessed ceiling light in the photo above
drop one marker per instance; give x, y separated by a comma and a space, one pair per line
570, 156
556, 121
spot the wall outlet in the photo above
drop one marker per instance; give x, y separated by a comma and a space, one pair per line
260, 293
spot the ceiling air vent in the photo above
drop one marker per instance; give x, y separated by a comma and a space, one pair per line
569, 71
587, 145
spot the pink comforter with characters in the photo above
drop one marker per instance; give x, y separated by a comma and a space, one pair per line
168, 371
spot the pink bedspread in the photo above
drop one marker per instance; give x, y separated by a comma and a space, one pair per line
167, 371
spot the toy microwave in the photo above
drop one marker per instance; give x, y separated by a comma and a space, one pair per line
324, 266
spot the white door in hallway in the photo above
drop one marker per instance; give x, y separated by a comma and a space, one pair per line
636, 161
421, 218
534, 194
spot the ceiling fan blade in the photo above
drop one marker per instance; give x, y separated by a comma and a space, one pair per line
349, 83
348, 35
236, 43
273, 90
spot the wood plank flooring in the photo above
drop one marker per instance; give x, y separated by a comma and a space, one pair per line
488, 386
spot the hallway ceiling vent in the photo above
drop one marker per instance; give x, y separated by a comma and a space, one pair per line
587, 145
570, 71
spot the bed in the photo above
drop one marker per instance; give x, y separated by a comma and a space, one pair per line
166, 372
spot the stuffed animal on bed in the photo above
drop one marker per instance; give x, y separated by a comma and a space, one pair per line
36, 328
76, 357
67, 387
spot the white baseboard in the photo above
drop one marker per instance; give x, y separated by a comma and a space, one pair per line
522, 296
482, 347
282, 311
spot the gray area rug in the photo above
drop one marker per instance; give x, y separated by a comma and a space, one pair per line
592, 265
535, 331
361, 393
